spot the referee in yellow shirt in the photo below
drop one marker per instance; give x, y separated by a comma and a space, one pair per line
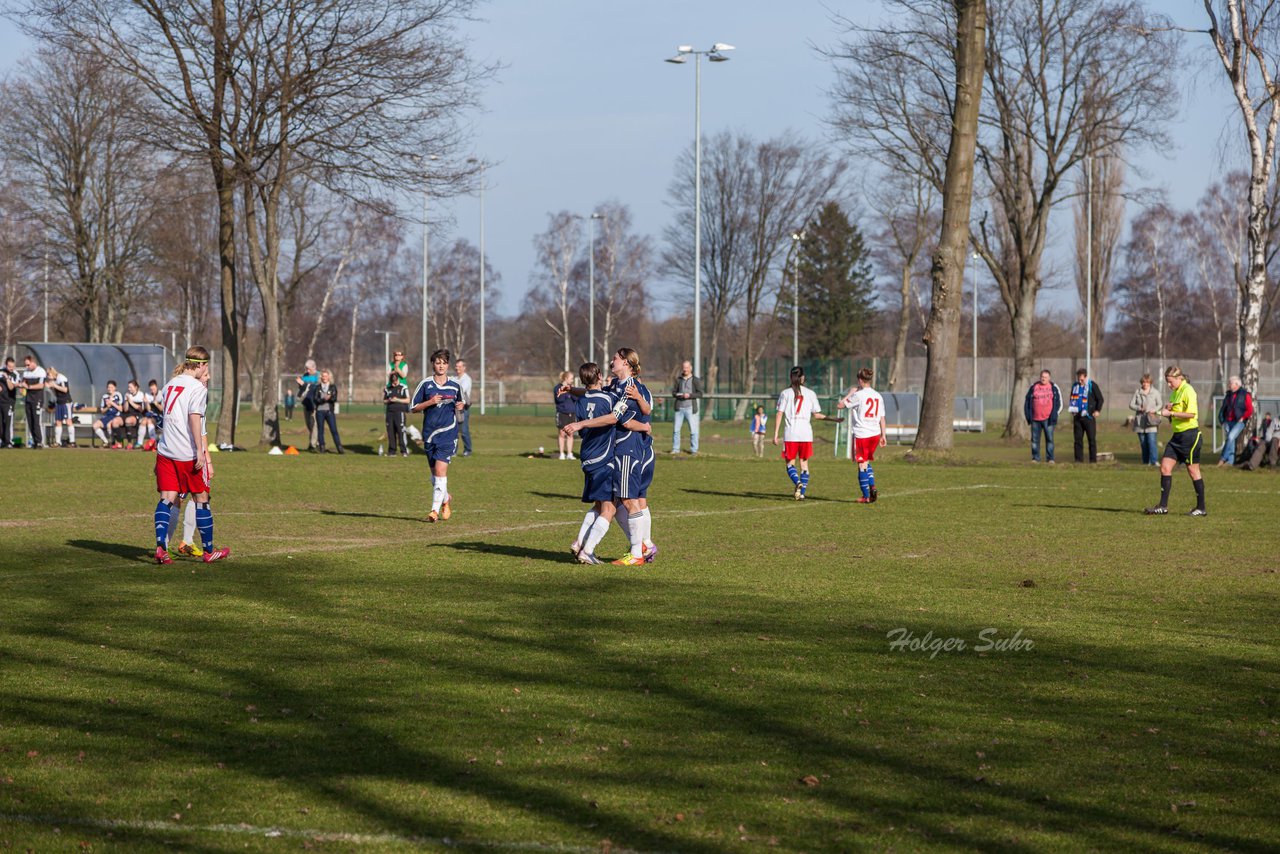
1184, 444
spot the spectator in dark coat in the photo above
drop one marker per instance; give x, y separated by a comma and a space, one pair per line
1085, 406
1235, 414
324, 399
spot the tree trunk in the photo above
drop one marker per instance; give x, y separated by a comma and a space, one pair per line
897, 370
225, 432
1025, 371
942, 334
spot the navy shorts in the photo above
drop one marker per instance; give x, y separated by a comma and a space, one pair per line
442, 451
1184, 447
597, 484
109, 416
633, 475
62, 412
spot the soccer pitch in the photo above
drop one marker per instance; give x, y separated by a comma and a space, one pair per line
995, 656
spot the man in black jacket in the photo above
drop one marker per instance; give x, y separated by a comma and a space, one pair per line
1086, 406
686, 391
324, 396
8, 396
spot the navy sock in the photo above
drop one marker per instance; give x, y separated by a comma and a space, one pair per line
864, 483
871, 475
204, 524
163, 509
791, 473
804, 481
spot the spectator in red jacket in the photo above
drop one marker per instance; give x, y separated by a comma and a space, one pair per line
1236, 412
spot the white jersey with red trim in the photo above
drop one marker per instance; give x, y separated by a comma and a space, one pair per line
181, 397
866, 408
797, 412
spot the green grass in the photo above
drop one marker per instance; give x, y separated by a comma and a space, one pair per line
354, 677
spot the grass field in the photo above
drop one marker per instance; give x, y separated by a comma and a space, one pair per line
353, 677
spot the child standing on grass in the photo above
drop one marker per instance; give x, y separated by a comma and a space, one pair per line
758, 424
866, 427
439, 398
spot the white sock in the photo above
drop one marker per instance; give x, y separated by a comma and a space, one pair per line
620, 516
646, 528
587, 522
151, 430
599, 528
189, 523
57, 434
71, 432
101, 436
439, 490
636, 526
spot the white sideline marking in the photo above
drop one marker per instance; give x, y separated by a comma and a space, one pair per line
296, 833
346, 545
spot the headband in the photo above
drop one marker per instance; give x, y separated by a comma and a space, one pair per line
197, 361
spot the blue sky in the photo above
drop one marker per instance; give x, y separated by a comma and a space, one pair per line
586, 110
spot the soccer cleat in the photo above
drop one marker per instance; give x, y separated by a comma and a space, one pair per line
162, 556
190, 550
874, 495
650, 552
1197, 512
433, 516
575, 548
445, 510
798, 494
216, 554
589, 559
862, 499
629, 560
1158, 510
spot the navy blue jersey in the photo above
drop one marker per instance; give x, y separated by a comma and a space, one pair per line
597, 442
629, 441
439, 422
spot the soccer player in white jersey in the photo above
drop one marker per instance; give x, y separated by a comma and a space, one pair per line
866, 426
182, 460
798, 407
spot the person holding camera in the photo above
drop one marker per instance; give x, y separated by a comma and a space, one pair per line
395, 396
324, 400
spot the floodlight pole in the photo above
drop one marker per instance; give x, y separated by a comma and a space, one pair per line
591, 310
426, 255
1088, 266
975, 323
714, 54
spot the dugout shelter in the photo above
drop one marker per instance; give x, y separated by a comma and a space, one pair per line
89, 366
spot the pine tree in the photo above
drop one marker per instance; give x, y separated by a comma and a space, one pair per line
835, 285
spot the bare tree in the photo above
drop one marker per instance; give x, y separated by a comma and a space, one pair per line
549, 295
941, 334
184, 248
348, 90
19, 244
455, 296
907, 207
1152, 275
1099, 219
756, 194
1249, 51
65, 128
623, 265
1058, 74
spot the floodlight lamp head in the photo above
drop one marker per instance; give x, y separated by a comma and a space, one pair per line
678, 59
597, 215
685, 48
717, 57
719, 46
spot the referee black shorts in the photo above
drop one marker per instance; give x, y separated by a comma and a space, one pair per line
1184, 447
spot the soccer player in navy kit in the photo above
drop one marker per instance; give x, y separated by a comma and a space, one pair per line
439, 398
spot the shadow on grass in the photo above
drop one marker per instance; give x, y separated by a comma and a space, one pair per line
127, 551
760, 496
564, 495
510, 551
396, 517
1084, 507
357, 705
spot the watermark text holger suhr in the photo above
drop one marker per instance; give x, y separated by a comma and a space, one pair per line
989, 640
